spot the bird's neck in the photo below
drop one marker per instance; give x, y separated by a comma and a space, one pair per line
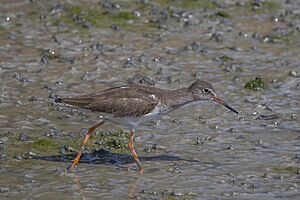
180, 98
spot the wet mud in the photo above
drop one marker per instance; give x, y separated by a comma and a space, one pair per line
249, 50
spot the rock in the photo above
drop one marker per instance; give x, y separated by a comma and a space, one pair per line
23, 136
158, 147
202, 140
176, 193
294, 74
4, 189
139, 79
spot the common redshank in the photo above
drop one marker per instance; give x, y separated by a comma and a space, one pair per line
131, 105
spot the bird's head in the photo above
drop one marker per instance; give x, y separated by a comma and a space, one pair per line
203, 90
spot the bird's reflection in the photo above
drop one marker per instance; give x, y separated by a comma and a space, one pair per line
106, 157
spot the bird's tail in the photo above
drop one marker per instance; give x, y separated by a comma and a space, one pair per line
81, 101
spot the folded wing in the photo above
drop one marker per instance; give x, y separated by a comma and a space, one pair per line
120, 101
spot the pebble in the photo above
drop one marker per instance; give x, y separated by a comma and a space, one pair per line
30, 155
53, 132
117, 143
56, 38
34, 98
115, 27
215, 127
99, 142
4, 189
217, 37
23, 136
59, 83
129, 62
195, 46
201, 120
267, 176
97, 47
19, 103
293, 187
147, 149
242, 119
260, 142
229, 68
267, 39
64, 150
158, 147
175, 121
297, 157
19, 77
176, 193
243, 34
293, 74
293, 116
149, 192
256, 36
3, 156
139, 79
115, 5
222, 181
230, 147
18, 157
56, 9
202, 140
232, 130
137, 13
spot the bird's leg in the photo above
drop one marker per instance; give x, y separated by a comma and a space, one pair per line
87, 137
133, 152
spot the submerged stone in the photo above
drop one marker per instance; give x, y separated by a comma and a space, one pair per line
256, 84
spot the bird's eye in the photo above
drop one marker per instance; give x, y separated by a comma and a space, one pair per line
206, 90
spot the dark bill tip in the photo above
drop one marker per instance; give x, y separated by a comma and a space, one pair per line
223, 103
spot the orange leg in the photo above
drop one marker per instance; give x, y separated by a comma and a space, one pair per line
87, 137
133, 152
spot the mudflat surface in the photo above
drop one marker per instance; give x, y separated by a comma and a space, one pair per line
204, 151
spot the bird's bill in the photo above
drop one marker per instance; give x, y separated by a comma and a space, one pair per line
223, 103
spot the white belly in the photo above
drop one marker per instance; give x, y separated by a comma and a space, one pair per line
133, 122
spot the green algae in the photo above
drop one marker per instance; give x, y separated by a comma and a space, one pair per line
222, 14
226, 58
256, 84
287, 170
49, 54
44, 146
173, 197
205, 4
81, 17
264, 7
113, 140
126, 16
116, 140
281, 38
271, 6
43, 143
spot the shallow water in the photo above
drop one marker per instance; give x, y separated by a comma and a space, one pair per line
51, 48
